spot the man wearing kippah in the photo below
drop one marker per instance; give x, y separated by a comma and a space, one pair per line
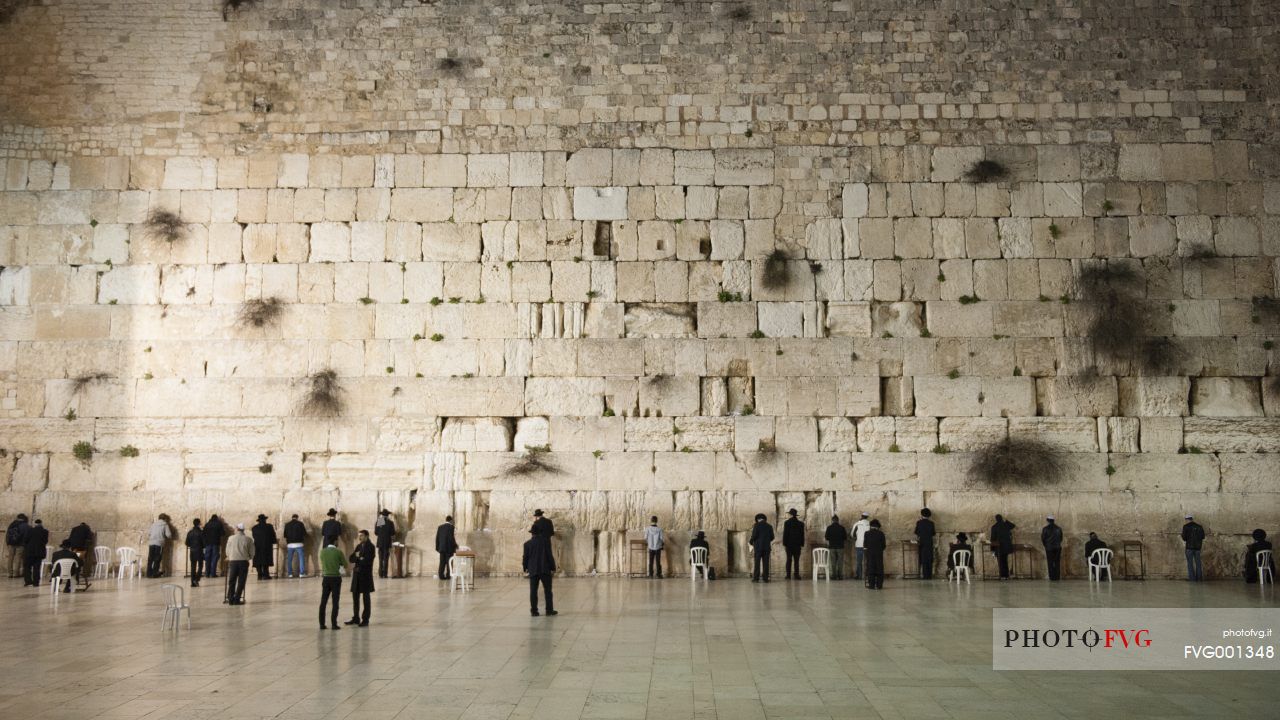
1051, 538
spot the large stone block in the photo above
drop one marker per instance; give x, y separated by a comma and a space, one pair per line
743, 167
1225, 397
1077, 435
1235, 435
600, 203
1154, 396
947, 397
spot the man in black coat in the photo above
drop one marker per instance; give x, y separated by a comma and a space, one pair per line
700, 541
213, 532
873, 546
540, 564
81, 538
1193, 537
15, 537
295, 543
837, 536
793, 542
542, 525
446, 546
761, 542
385, 529
33, 552
924, 543
1051, 538
66, 553
195, 551
331, 530
1260, 543
361, 579
264, 547
1002, 544
1093, 544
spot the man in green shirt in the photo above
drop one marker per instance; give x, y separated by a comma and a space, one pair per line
332, 563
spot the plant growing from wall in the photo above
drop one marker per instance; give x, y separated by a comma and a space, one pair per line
166, 225
260, 312
129, 451
777, 271
81, 382
739, 13
985, 171
324, 397
83, 451
1015, 462
1118, 319
535, 459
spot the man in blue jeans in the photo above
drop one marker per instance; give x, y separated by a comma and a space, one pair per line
295, 538
1193, 536
213, 531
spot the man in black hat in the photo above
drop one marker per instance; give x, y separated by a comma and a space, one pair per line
264, 547
837, 536
33, 552
542, 525
761, 542
446, 546
859, 534
924, 543
1193, 537
1051, 538
385, 530
700, 541
793, 542
875, 545
540, 565
361, 580
66, 553
331, 530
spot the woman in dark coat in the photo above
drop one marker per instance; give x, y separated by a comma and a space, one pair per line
873, 546
361, 579
1260, 543
264, 547
1002, 544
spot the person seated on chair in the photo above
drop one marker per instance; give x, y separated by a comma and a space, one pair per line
1093, 544
700, 541
1260, 543
66, 553
961, 543
81, 538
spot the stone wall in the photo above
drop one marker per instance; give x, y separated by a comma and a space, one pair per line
538, 245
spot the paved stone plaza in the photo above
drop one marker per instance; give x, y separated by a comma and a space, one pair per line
620, 649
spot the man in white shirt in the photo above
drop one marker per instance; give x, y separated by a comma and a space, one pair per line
859, 533
653, 539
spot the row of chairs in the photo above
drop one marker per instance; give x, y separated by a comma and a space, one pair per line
128, 563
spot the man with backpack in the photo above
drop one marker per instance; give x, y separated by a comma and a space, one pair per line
14, 539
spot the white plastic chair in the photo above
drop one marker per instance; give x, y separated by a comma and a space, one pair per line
960, 565
1100, 560
697, 559
821, 562
128, 563
461, 573
1264, 567
60, 574
175, 602
101, 562
46, 562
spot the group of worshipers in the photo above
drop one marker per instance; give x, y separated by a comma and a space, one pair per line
870, 543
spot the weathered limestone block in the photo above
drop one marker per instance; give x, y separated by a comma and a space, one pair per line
670, 395
1160, 434
966, 434
512, 473
404, 434
953, 319
600, 203
1233, 435
744, 167
659, 320
875, 434
948, 397
471, 433
469, 397
1145, 473
1067, 434
1008, 397
704, 433
1154, 396
531, 432
1119, 434
729, 319
685, 471
649, 434
898, 319
885, 471
916, 434
1225, 397
1076, 396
